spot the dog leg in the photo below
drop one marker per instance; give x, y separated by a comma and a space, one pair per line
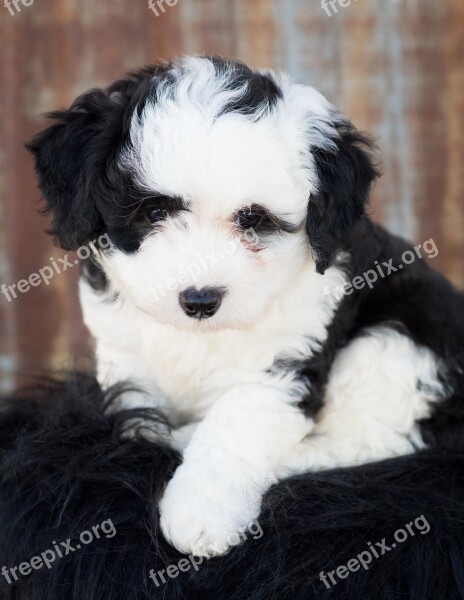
228, 466
379, 387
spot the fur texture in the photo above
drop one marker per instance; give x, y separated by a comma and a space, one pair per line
217, 181
63, 468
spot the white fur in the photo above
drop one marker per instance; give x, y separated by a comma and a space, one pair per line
228, 465
192, 368
380, 385
242, 428
249, 433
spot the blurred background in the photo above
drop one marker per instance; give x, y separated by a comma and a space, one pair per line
395, 67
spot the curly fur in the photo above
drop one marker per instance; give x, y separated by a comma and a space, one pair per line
63, 468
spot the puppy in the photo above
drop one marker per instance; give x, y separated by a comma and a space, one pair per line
245, 292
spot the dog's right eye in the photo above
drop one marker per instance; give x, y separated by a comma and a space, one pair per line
158, 214
248, 218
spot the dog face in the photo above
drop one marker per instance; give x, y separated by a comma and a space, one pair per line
215, 183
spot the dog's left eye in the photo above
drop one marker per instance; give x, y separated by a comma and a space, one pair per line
248, 219
158, 214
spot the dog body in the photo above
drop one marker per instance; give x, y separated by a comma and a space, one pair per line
235, 204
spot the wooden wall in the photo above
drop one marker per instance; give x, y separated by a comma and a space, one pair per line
396, 67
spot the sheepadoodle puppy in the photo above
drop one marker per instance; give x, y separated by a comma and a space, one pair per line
245, 292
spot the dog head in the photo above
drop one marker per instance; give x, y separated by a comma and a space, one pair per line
216, 184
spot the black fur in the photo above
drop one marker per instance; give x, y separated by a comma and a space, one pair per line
416, 300
262, 92
346, 173
76, 158
79, 176
63, 469
94, 275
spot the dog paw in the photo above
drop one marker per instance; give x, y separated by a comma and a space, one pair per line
205, 514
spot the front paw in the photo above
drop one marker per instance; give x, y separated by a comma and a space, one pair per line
205, 513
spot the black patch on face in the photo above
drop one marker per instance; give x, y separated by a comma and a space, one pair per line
126, 212
75, 158
262, 221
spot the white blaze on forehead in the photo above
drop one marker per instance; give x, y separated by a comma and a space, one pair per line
180, 146
227, 163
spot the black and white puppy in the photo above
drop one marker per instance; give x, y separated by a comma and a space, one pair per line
235, 202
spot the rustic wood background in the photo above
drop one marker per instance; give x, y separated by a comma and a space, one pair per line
396, 67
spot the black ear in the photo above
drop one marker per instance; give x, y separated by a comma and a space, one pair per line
67, 155
346, 171
73, 156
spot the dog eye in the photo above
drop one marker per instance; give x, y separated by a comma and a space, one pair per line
248, 219
157, 214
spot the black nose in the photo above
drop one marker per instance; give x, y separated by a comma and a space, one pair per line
201, 304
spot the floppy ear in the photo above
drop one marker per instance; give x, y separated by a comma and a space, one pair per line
67, 157
73, 156
346, 171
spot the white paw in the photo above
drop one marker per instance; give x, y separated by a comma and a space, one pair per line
204, 513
